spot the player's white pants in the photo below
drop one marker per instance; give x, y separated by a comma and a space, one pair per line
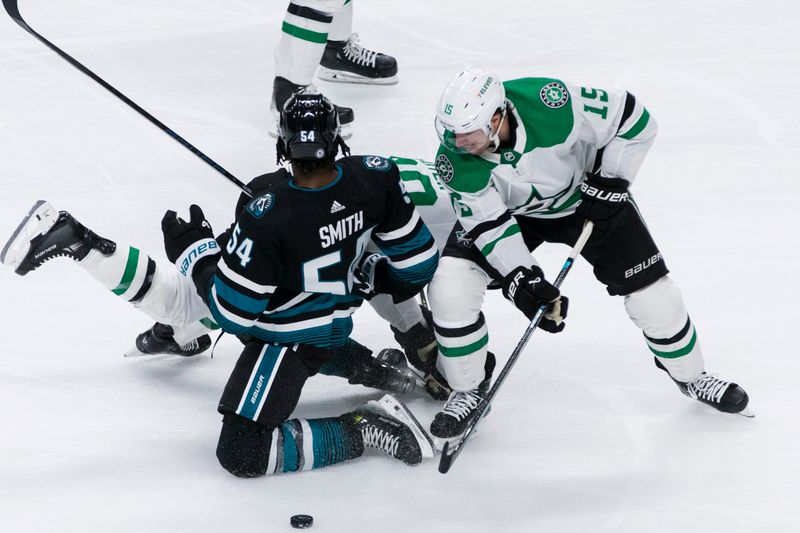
307, 26
158, 290
456, 296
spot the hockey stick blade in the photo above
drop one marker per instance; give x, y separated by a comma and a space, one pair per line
449, 453
12, 8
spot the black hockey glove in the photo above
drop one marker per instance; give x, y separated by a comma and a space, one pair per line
187, 243
368, 275
528, 289
603, 201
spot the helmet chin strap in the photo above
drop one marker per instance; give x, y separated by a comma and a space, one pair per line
494, 138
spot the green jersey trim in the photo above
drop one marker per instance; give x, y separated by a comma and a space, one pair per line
637, 128
540, 124
489, 248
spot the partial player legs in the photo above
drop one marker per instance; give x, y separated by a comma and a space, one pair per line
658, 310
456, 297
161, 293
262, 392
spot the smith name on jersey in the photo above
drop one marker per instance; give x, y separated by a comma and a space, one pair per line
559, 133
286, 273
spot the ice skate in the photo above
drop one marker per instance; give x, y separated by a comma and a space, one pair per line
389, 426
44, 234
720, 394
462, 407
159, 340
387, 371
349, 62
282, 89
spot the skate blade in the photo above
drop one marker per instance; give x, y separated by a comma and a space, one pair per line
396, 409
440, 442
339, 76
747, 413
38, 221
134, 352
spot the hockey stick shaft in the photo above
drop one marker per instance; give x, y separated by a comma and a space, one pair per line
449, 453
12, 8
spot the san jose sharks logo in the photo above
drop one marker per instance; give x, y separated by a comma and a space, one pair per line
376, 162
259, 206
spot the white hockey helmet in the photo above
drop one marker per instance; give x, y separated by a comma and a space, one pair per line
467, 105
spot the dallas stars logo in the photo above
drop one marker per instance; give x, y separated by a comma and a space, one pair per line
463, 238
554, 95
444, 168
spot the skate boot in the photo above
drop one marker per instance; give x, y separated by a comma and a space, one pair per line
709, 389
387, 371
349, 62
282, 89
461, 407
389, 426
419, 345
45, 233
159, 340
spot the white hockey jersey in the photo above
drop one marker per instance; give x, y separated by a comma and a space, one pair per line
562, 132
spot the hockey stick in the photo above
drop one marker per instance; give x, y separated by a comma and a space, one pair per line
449, 453
13, 11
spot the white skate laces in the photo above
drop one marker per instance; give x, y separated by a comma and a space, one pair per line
461, 404
357, 53
708, 387
191, 345
381, 439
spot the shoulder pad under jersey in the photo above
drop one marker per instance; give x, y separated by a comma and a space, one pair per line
545, 107
463, 172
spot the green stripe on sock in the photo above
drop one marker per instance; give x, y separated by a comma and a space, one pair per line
304, 34
130, 272
464, 350
678, 353
638, 127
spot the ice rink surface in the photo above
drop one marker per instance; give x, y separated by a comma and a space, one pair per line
586, 436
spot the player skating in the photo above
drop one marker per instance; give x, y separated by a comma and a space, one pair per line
530, 160
319, 34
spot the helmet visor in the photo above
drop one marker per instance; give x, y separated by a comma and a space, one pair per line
472, 142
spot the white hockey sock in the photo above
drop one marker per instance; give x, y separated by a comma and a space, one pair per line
185, 333
658, 310
303, 36
127, 272
402, 316
342, 26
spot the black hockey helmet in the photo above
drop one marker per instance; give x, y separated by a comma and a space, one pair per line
309, 127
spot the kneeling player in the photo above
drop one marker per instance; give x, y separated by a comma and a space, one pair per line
293, 271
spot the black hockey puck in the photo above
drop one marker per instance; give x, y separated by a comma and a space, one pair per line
301, 521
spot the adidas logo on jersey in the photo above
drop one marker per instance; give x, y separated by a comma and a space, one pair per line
336, 207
